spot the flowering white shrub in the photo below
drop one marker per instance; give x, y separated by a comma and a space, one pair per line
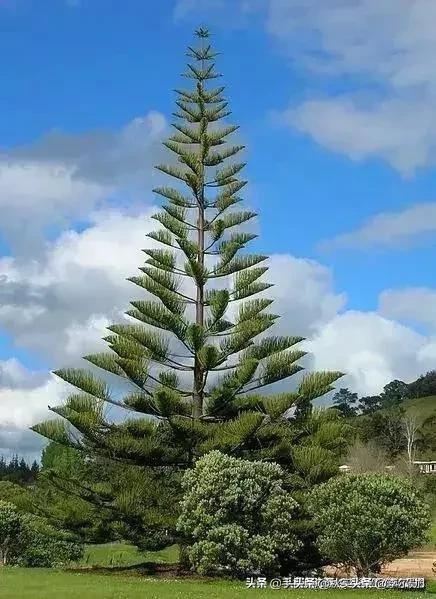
237, 516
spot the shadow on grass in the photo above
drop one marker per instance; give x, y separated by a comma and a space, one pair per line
143, 569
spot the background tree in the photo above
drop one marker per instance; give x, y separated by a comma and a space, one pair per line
424, 386
367, 457
411, 428
394, 393
18, 471
426, 443
11, 532
368, 520
346, 402
370, 404
28, 540
385, 429
102, 500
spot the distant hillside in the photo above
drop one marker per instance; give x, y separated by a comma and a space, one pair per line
422, 406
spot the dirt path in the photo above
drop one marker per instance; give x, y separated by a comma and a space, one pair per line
419, 563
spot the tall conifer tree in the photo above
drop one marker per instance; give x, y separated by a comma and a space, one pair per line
194, 351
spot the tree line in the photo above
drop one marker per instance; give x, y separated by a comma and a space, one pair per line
393, 394
17, 470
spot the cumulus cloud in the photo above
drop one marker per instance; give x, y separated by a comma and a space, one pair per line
391, 229
59, 304
13, 375
387, 47
399, 131
61, 178
24, 400
303, 293
371, 350
414, 304
21, 406
108, 158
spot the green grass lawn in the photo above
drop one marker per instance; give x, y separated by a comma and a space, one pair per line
123, 554
20, 583
40, 583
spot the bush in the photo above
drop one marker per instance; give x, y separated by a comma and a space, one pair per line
46, 547
27, 540
368, 520
236, 516
11, 532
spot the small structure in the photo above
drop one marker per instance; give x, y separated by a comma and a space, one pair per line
428, 467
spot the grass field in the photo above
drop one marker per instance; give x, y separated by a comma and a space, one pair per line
19, 583
115, 581
422, 406
123, 554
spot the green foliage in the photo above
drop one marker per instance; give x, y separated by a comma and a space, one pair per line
237, 516
385, 429
367, 520
46, 547
394, 393
424, 386
346, 401
101, 500
18, 471
28, 540
11, 533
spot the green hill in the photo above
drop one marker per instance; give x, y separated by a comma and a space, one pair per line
423, 407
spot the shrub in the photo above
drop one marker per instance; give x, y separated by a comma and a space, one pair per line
236, 516
28, 540
11, 532
368, 520
46, 547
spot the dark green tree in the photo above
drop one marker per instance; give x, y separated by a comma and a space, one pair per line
384, 428
194, 350
424, 386
394, 393
346, 402
369, 404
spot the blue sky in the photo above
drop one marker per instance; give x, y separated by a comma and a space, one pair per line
336, 109
98, 64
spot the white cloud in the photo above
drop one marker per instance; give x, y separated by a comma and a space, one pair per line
391, 229
79, 286
371, 350
400, 131
60, 303
383, 48
14, 375
414, 304
21, 406
24, 400
390, 41
62, 178
386, 49
303, 293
